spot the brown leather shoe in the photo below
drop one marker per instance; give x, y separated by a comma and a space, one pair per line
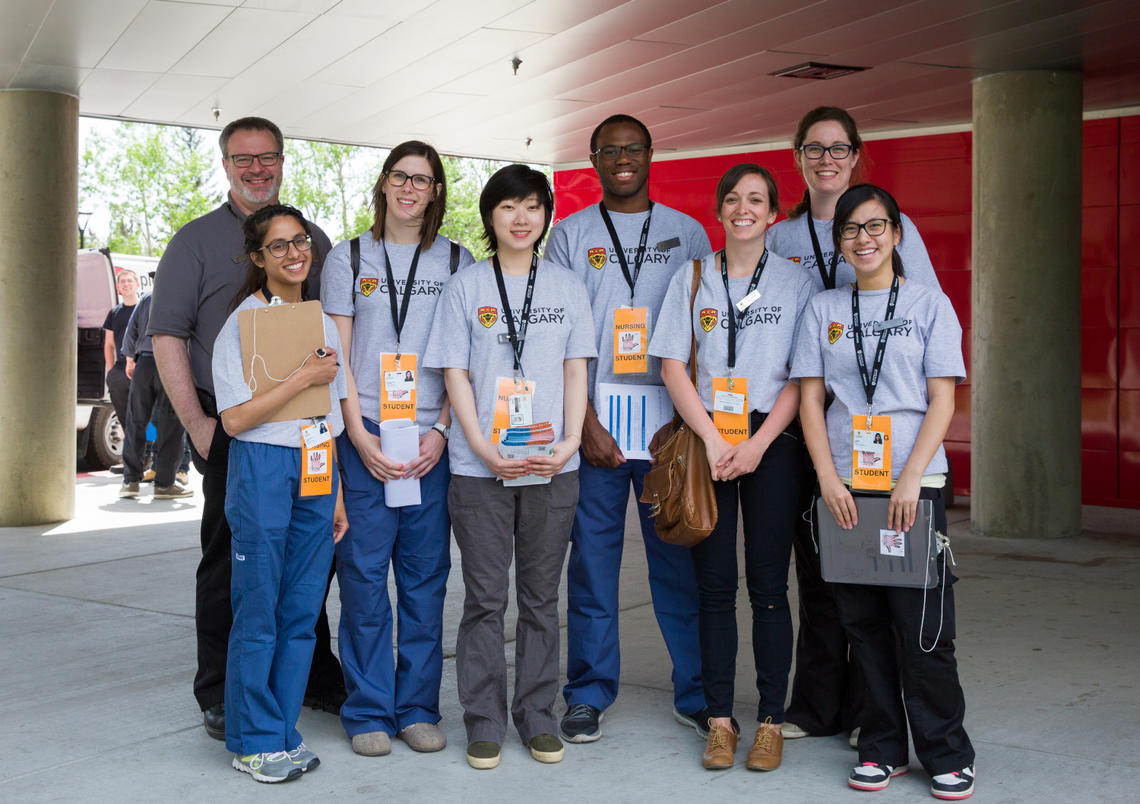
767, 749
720, 747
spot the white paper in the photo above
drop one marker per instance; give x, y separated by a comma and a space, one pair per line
400, 442
632, 414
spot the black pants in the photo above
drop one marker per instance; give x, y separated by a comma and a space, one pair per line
213, 614
882, 625
768, 499
146, 398
119, 389
827, 691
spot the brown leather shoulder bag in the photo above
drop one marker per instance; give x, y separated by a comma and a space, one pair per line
679, 487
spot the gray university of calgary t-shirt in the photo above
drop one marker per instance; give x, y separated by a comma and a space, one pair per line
766, 331
582, 243
927, 342
468, 323
791, 239
197, 279
231, 389
373, 332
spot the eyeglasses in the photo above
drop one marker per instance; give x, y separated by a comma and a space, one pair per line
398, 178
873, 227
267, 159
279, 248
839, 150
633, 150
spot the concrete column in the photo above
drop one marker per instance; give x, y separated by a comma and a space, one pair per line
39, 141
1026, 296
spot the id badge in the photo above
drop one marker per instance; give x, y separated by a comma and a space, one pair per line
871, 453
316, 459
514, 400
730, 408
631, 340
398, 386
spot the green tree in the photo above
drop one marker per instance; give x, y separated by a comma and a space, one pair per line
331, 184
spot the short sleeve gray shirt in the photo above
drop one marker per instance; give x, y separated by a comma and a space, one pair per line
197, 279
927, 342
373, 333
765, 333
468, 324
231, 389
791, 239
582, 243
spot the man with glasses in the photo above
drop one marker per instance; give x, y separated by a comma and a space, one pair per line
194, 289
626, 249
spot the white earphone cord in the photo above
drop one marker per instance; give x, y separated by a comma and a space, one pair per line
257, 356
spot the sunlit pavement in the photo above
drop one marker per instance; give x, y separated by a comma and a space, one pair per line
96, 623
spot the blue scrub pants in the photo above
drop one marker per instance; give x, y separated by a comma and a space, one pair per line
593, 660
386, 694
282, 549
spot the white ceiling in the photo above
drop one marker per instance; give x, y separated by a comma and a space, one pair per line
376, 72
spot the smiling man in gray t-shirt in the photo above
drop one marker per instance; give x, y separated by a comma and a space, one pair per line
625, 249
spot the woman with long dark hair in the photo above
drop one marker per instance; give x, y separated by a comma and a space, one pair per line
888, 351
283, 536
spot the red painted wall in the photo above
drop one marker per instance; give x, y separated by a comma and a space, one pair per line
931, 177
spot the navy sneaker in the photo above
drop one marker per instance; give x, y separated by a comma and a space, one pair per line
698, 720
582, 723
953, 786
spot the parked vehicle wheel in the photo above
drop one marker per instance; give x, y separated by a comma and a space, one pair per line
104, 439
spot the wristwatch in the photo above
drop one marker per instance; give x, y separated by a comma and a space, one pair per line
443, 429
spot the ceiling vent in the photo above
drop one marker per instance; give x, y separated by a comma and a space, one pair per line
817, 71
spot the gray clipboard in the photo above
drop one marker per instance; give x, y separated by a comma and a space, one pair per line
860, 555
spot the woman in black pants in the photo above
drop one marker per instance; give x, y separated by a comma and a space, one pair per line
744, 317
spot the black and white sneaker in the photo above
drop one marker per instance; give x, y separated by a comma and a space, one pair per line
873, 776
953, 786
582, 723
698, 720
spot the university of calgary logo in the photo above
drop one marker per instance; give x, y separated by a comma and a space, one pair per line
834, 331
708, 318
597, 257
488, 316
367, 286
796, 260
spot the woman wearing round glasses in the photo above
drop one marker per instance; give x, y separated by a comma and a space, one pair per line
827, 689
381, 290
283, 505
888, 350
743, 317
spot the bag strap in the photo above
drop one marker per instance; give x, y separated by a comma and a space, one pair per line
692, 303
454, 262
354, 260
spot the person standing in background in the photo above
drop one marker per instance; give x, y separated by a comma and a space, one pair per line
114, 330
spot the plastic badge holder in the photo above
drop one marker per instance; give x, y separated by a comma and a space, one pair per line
400, 442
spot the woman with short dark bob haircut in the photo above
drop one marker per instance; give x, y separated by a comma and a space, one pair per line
383, 306
512, 337
902, 637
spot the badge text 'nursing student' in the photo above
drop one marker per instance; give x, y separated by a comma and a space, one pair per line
316, 459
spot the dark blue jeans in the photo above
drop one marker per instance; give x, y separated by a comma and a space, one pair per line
768, 499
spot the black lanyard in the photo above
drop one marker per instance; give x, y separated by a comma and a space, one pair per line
517, 338
639, 258
827, 276
736, 317
401, 315
871, 380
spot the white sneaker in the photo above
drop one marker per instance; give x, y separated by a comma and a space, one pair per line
270, 768
953, 786
792, 732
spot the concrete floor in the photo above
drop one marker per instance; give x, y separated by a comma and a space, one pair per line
96, 623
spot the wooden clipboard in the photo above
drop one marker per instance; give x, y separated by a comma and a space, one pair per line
281, 336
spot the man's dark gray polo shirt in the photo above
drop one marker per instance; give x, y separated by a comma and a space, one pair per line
197, 278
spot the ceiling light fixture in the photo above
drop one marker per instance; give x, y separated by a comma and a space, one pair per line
817, 71
515, 62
